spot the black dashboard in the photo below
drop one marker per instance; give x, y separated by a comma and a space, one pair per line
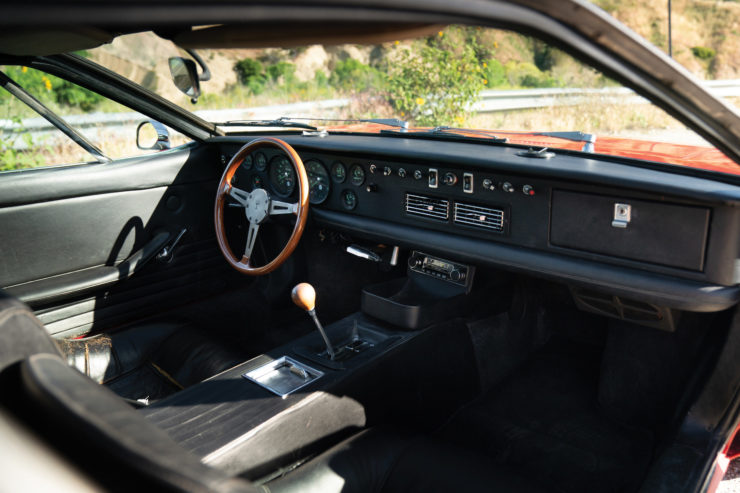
585, 220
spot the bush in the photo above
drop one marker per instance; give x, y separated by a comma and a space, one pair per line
248, 69
494, 74
66, 93
281, 72
353, 75
433, 86
703, 53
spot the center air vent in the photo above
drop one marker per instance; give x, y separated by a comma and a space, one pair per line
479, 216
429, 207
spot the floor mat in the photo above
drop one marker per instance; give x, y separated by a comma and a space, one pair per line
545, 421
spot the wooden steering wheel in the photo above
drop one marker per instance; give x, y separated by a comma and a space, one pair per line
258, 207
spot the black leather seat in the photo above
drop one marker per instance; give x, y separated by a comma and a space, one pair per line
389, 461
150, 361
86, 422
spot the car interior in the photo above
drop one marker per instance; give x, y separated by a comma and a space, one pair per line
408, 314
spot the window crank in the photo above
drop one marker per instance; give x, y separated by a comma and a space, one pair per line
166, 254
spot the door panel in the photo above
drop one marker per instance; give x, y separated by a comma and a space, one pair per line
77, 219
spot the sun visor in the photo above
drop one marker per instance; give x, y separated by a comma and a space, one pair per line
50, 41
282, 35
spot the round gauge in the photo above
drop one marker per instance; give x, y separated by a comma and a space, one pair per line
282, 176
256, 181
248, 162
357, 175
318, 181
338, 172
260, 161
349, 199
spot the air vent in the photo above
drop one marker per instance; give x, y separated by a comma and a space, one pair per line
479, 216
429, 207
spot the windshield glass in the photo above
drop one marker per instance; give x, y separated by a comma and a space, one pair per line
512, 85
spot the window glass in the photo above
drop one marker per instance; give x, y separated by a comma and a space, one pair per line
27, 140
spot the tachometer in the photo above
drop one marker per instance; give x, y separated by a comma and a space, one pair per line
318, 181
282, 176
357, 175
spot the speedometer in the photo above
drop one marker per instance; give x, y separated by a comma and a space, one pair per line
282, 176
318, 181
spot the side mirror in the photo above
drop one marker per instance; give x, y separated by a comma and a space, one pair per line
185, 76
152, 136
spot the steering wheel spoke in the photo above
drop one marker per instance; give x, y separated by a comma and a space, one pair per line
277, 208
239, 195
251, 238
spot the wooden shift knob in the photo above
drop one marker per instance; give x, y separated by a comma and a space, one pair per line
304, 295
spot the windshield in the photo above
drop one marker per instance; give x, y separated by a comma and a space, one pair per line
508, 84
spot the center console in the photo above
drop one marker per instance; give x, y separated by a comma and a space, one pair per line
389, 363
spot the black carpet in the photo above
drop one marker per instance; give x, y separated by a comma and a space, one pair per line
545, 421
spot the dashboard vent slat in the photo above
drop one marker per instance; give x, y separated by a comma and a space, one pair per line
429, 207
478, 216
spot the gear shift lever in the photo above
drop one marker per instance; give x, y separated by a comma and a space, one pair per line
304, 295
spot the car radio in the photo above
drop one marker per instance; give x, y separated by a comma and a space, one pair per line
442, 269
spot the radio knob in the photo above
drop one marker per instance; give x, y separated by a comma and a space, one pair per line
402, 172
456, 275
450, 179
415, 261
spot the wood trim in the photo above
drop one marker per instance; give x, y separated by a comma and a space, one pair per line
243, 265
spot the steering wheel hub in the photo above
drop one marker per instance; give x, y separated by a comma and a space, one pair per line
258, 205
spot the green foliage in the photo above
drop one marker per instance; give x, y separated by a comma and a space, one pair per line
434, 86
703, 53
11, 156
544, 55
494, 74
49, 89
281, 72
353, 75
247, 69
250, 73
66, 93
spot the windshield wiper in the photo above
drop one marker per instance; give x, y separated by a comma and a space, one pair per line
575, 136
280, 122
390, 122
452, 132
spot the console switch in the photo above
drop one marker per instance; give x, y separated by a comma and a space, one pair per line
468, 182
433, 178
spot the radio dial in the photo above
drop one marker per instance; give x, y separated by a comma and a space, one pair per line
415, 261
456, 275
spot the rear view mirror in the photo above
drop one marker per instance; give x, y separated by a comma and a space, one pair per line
185, 76
152, 136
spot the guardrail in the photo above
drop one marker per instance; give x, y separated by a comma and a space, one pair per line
490, 101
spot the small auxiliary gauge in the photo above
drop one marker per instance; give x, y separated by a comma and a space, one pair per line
357, 175
260, 161
349, 199
338, 172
